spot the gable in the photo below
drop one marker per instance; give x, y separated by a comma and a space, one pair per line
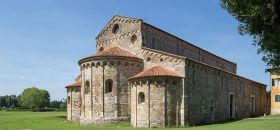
125, 24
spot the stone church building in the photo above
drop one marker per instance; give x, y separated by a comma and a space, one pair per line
152, 78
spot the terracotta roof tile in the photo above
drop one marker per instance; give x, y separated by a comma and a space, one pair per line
115, 51
75, 84
156, 71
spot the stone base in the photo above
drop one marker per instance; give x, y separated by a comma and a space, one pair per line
101, 121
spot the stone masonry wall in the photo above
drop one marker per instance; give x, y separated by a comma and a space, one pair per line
161, 106
105, 106
156, 39
208, 93
128, 28
73, 103
153, 58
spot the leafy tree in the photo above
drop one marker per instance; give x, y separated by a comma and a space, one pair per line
46, 98
58, 104
35, 98
261, 20
9, 101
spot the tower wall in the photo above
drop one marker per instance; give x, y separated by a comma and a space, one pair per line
73, 103
161, 105
104, 105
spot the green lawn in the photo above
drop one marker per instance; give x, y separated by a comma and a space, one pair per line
56, 121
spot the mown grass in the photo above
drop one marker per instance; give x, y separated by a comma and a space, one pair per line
56, 121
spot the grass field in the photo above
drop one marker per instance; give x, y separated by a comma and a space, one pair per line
56, 121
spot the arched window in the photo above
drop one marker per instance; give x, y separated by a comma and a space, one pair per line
115, 28
141, 97
87, 87
133, 38
108, 86
68, 99
101, 49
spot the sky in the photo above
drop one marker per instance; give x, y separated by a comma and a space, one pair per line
41, 41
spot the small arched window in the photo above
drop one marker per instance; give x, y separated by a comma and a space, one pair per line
133, 38
141, 98
68, 99
108, 86
87, 87
101, 49
148, 59
116, 28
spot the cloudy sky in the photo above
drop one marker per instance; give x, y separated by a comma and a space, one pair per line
41, 41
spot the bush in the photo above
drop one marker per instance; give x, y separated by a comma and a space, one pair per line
48, 109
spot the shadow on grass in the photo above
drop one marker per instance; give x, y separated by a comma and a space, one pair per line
216, 123
61, 117
229, 121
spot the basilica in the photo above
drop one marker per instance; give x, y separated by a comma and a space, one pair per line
151, 78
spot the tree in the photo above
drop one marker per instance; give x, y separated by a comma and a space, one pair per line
63, 104
58, 104
9, 101
46, 98
35, 98
261, 20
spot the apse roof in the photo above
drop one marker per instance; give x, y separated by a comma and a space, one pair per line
115, 51
156, 71
75, 84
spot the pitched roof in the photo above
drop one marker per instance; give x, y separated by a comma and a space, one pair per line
156, 71
75, 84
115, 51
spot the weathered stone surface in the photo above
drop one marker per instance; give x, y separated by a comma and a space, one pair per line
100, 105
163, 96
160, 40
73, 103
208, 93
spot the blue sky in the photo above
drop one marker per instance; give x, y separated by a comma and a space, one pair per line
41, 41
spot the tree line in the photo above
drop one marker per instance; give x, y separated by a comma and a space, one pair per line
32, 98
